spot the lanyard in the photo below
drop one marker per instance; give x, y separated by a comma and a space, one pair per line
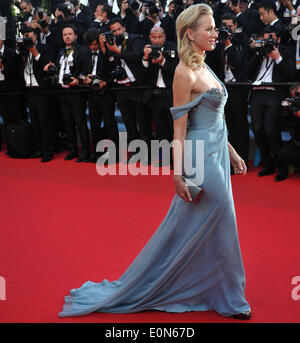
268, 66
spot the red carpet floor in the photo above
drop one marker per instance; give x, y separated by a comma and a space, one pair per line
62, 224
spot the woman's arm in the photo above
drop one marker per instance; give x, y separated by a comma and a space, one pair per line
181, 95
237, 162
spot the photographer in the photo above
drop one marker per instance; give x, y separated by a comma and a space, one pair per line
273, 62
70, 65
9, 81
33, 58
149, 17
123, 53
290, 152
247, 18
102, 15
101, 103
159, 61
65, 14
230, 65
129, 14
169, 20
28, 12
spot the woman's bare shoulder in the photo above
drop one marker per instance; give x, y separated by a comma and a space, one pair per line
184, 72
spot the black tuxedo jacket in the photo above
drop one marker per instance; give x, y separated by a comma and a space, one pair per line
285, 71
88, 66
250, 22
236, 56
150, 74
131, 52
46, 55
11, 75
80, 59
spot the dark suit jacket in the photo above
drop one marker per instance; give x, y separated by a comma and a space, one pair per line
236, 56
131, 53
80, 58
150, 74
10, 71
250, 22
46, 55
285, 71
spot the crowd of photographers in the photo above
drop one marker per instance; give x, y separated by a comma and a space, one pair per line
75, 55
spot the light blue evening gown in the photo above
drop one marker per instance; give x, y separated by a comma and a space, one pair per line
193, 261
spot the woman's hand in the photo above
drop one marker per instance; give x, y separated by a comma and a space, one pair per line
239, 165
181, 189
237, 162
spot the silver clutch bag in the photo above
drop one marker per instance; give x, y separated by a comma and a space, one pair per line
194, 190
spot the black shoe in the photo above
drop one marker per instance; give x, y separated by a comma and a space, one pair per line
45, 159
71, 155
243, 316
36, 155
267, 171
85, 157
282, 174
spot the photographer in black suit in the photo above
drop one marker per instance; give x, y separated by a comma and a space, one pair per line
70, 64
123, 55
33, 58
101, 103
159, 61
290, 152
273, 62
230, 66
9, 81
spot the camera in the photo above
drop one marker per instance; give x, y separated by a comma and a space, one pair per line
95, 81
134, 5
52, 75
291, 104
269, 44
224, 33
66, 9
24, 43
118, 73
154, 54
153, 10
67, 79
110, 38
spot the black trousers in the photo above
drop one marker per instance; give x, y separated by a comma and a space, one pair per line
236, 110
162, 118
265, 111
10, 108
290, 153
134, 115
73, 108
102, 107
41, 118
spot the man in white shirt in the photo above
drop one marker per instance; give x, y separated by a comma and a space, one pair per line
33, 58
270, 65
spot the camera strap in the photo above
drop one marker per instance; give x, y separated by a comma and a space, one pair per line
269, 63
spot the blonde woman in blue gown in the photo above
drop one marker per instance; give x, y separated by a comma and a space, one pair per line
193, 260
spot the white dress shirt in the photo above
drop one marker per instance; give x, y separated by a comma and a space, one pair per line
2, 78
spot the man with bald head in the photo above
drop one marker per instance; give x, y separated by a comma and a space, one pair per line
159, 62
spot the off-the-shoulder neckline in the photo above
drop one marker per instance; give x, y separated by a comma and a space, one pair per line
206, 92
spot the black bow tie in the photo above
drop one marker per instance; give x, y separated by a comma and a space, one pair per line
94, 53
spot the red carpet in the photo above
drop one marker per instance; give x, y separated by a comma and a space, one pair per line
62, 224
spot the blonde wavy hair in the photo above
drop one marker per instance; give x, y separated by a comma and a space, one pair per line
189, 19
